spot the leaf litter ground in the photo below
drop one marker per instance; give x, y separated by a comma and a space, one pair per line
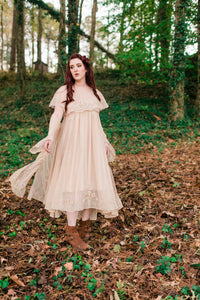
151, 251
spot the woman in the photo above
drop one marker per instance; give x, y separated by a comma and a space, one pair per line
72, 171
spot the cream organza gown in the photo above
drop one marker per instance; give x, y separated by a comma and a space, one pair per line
76, 174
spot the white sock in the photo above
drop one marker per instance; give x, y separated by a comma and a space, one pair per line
86, 214
71, 218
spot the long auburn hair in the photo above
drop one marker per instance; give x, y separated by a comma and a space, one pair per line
89, 76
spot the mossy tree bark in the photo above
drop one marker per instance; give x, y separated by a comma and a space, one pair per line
39, 35
164, 31
197, 100
122, 25
20, 46
62, 40
73, 28
92, 32
32, 18
14, 39
79, 22
2, 38
178, 71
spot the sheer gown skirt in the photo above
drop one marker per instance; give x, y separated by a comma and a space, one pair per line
80, 176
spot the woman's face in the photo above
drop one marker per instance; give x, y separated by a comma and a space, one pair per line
77, 69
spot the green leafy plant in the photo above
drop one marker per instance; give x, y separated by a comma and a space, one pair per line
40, 296
92, 284
164, 265
77, 262
186, 237
166, 244
194, 292
171, 298
54, 246
10, 212
13, 234
101, 289
135, 238
4, 283
22, 223
89, 277
167, 228
129, 259
120, 290
182, 269
175, 184
176, 225
34, 282
142, 246
20, 213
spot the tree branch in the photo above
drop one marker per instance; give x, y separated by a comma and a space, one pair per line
97, 44
56, 15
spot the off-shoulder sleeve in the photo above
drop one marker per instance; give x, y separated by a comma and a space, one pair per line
104, 104
59, 97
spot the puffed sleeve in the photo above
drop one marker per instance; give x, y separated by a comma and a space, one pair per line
104, 104
59, 98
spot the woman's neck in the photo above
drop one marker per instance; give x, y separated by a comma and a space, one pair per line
81, 83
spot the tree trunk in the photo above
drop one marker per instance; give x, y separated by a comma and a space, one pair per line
152, 32
80, 13
39, 37
72, 27
197, 101
164, 31
14, 39
121, 29
99, 46
20, 46
92, 32
108, 39
178, 71
62, 57
2, 39
32, 35
56, 16
79, 23
48, 49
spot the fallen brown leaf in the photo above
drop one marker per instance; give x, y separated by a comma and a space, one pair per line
17, 280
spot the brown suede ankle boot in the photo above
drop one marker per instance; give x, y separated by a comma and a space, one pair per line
73, 238
84, 229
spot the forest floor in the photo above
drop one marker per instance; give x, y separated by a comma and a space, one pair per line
151, 251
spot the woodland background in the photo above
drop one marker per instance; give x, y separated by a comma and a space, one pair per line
146, 59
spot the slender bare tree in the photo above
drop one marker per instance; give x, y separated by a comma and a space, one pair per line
14, 39
178, 71
32, 19
92, 32
39, 36
2, 38
20, 46
79, 23
62, 40
197, 101
72, 27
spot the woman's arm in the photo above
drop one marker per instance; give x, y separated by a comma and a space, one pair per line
54, 125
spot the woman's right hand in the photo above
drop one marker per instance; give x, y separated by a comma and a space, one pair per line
47, 146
